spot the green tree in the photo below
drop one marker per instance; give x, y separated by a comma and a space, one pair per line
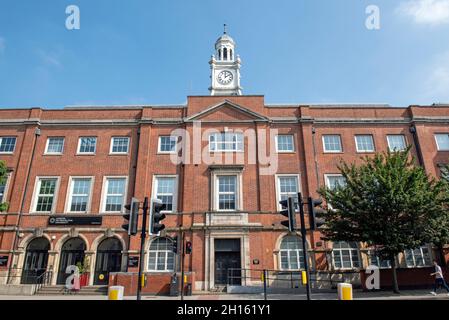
3, 175
387, 202
439, 232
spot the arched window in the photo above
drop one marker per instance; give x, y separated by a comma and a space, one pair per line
36, 258
230, 54
161, 256
109, 259
72, 254
225, 54
291, 253
345, 255
219, 54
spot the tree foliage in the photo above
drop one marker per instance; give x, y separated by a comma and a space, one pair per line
387, 202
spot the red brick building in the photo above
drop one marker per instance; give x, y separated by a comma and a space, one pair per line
220, 163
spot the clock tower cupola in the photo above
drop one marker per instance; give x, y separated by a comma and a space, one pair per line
225, 68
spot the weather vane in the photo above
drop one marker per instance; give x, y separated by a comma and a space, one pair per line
224, 28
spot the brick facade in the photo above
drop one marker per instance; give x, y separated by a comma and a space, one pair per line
255, 223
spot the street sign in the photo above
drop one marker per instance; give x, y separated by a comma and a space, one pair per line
74, 221
133, 262
3, 261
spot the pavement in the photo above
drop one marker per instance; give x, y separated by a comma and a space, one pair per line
358, 295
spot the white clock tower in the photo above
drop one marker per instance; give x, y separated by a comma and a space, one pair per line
225, 68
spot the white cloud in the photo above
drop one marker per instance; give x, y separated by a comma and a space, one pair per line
49, 58
2, 45
431, 12
436, 81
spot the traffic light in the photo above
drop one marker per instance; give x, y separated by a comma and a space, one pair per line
288, 210
156, 217
132, 217
175, 245
188, 247
315, 213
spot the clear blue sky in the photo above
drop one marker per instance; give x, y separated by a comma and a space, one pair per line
157, 52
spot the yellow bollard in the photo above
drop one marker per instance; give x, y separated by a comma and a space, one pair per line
142, 280
304, 278
185, 278
262, 277
115, 293
347, 293
344, 291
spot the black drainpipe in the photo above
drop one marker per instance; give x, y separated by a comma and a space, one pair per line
37, 133
133, 190
417, 145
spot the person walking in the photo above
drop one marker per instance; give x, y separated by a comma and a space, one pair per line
439, 279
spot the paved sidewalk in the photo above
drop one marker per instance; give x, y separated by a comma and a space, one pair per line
358, 295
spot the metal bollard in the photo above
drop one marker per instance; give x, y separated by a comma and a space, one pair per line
344, 291
116, 293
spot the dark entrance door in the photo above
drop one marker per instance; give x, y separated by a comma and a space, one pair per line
227, 257
109, 259
72, 253
36, 259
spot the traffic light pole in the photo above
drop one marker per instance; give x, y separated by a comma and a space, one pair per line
183, 254
142, 246
304, 244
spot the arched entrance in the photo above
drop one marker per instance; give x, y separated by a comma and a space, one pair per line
72, 252
109, 259
36, 258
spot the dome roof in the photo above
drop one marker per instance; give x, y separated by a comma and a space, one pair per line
225, 38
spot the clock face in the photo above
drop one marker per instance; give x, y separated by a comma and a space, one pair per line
225, 77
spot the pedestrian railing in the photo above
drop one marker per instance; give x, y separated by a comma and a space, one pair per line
43, 280
288, 282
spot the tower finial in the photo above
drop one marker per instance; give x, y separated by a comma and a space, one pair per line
224, 32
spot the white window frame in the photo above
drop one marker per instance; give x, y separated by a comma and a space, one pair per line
5, 192
160, 143
15, 144
277, 143
54, 153
436, 140
299, 255
278, 186
86, 153
330, 175
104, 194
70, 194
217, 192
332, 151
111, 147
167, 252
397, 135
429, 251
175, 191
215, 187
36, 191
357, 145
236, 150
350, 257
371, 254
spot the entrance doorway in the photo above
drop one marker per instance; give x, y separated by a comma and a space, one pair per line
227, 256
109, 259
36, 258
72, 252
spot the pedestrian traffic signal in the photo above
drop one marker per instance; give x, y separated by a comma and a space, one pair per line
132, 217
188, 247
288, 210
316, 213
175, 245
156, 217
